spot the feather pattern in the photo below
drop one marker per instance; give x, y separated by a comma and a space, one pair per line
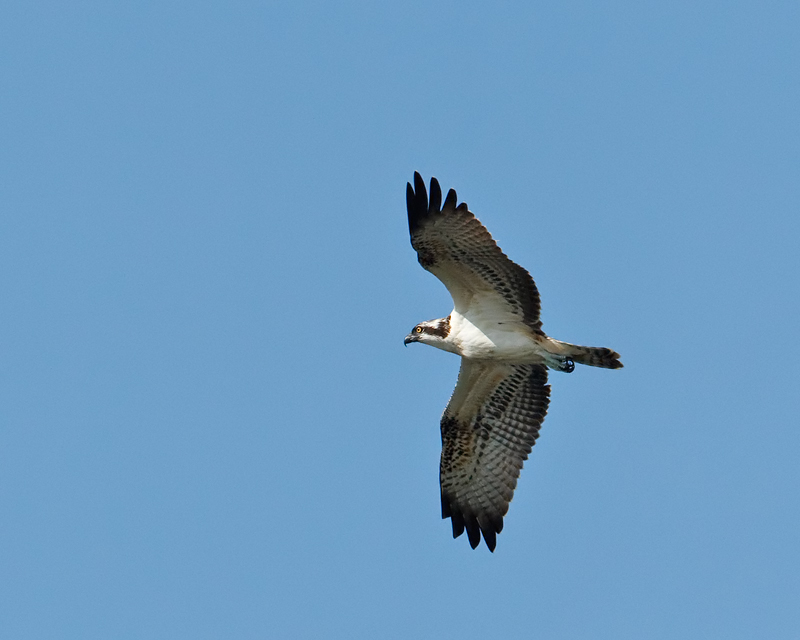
455, 247
488, 430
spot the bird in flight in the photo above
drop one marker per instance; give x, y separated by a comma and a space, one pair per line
501, 397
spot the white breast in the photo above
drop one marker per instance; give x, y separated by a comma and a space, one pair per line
484, 338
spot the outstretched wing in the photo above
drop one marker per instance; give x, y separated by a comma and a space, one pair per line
488, 430
455, 247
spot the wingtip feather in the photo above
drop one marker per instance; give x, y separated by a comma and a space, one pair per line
419, 187
435, 203
416, 202
490, 538
473, 531
458, 524
451, 199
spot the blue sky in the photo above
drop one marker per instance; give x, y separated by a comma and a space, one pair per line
209, 425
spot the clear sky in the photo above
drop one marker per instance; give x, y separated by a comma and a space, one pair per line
209, 425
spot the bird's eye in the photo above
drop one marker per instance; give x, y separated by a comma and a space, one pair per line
417, 329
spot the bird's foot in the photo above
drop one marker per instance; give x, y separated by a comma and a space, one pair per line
568, 366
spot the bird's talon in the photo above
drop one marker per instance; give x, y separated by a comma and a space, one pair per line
568, 366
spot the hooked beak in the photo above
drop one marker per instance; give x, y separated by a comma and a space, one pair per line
410, 338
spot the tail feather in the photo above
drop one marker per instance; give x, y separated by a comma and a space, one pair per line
593, 356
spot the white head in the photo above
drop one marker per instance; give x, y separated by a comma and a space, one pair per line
432, 332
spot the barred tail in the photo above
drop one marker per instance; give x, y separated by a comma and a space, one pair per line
593, 356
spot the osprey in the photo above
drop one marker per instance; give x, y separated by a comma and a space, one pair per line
501, 397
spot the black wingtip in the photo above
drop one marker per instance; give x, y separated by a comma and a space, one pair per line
416, 202
458, 524
490, 538
435, 204
473, 532
446, 512
451, 199
490, 527
419, 187
461, 523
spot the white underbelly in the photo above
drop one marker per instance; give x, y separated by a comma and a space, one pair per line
495, 341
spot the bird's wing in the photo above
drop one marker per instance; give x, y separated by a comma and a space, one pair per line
488, 430
454, 246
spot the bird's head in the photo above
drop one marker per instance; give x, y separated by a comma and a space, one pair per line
432, 332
